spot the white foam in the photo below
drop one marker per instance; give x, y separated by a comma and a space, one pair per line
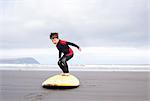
37, 67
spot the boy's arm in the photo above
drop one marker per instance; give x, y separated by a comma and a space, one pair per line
60, 54
72, 44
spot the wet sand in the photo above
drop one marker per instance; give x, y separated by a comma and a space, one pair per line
95, 86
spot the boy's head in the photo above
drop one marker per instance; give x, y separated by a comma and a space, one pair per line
54, 37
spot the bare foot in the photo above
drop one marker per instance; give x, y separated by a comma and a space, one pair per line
65, 74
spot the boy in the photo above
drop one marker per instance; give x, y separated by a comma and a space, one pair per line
63, 47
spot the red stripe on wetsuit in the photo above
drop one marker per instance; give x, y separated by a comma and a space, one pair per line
70, 52
64, 43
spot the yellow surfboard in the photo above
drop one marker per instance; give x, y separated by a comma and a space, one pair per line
61, 82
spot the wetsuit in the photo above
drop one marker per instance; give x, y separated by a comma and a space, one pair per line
63, 47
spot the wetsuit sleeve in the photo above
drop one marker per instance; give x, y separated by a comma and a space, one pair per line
72, 44
60, 54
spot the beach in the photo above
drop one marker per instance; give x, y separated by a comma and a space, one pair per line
20, 85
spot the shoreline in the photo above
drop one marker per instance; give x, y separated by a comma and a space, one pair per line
37, 67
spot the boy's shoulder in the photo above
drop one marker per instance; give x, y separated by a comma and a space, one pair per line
63, 42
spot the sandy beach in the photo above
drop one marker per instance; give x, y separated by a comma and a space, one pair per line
95, 86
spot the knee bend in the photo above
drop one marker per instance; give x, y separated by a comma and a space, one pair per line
59, 62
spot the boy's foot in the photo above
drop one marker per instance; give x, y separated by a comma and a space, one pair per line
65, 74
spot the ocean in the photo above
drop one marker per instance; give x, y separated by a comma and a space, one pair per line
87, 67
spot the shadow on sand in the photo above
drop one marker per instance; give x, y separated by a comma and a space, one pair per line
60, 87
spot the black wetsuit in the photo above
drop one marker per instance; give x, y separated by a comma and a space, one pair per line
63, 47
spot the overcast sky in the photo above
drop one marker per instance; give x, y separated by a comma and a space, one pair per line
102, 23
117, 30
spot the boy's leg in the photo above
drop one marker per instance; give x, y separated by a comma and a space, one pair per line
63, 63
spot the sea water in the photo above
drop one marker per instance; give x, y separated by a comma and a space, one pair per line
85, 67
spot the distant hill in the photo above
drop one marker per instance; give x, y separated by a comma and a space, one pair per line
27, 60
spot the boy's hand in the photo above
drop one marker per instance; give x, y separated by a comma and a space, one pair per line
79, 49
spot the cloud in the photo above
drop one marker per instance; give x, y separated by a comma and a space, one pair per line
89, 55
27, 23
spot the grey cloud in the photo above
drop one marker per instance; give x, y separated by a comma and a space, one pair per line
27, 23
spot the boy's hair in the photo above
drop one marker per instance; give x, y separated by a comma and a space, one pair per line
53, 35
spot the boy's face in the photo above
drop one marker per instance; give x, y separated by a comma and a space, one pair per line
55, 40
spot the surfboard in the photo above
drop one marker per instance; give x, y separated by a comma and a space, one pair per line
59, 81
